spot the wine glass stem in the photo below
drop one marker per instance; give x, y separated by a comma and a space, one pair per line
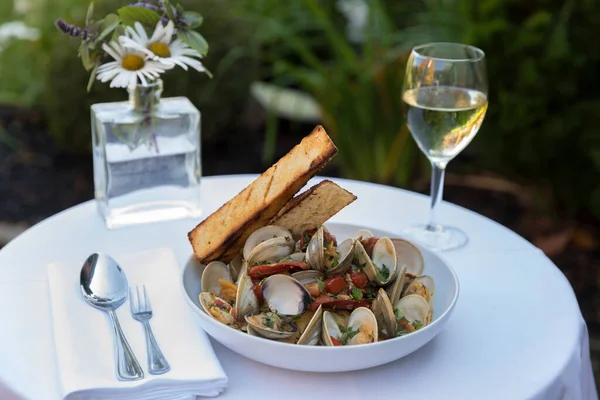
437, 190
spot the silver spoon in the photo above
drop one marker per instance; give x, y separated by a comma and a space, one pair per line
104, 286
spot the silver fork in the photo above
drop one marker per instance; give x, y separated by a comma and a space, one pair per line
142, 311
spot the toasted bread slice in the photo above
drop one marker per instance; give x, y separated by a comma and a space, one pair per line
313, 207
222, 234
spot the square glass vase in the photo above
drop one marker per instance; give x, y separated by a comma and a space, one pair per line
146, 154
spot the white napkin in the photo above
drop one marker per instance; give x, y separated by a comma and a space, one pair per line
84, 340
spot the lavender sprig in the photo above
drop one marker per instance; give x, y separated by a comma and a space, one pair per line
71, 30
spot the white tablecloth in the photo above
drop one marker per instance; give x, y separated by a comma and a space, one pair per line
516, 332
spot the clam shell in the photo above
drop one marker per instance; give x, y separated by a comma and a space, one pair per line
312, 333
235, 267
246, 302
384, 313
384, 255
264, 331
308, 276
364, 320
207, 301
346, 254
331, 328
285, 295
363, 234
262, 234
212, 273
298, 256
394, 291
415, 307
423, 286
408, 254
315, 254
271, 250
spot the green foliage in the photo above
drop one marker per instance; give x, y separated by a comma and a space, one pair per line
544, 109
357, 85
48, 75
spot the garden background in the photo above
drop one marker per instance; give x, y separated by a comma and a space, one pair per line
281, 67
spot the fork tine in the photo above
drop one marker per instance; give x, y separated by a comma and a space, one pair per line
139, 298
131, 306
147, 306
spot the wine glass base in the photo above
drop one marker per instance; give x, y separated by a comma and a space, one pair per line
440, 239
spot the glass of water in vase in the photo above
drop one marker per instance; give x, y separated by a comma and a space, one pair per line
445, 101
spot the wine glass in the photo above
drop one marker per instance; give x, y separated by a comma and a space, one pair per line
445, 98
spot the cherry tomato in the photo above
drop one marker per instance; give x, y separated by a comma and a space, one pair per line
359, 279
368, 244
335, 341
335, 284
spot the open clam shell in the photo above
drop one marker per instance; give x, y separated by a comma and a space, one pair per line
415, 308
217, 308
409, 255
235, 267
315, 254
298, 256
246, 302
263, 234
384, 313
285, 295
308, 276
381, 267
394, 291
312, 333
362, 320
332, 328
273, 249
363, 234
345, 252
270, 325
214, 271
423, 286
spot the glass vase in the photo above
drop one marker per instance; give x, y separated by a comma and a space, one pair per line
146, 153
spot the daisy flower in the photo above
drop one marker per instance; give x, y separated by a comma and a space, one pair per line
129, 66
161, 46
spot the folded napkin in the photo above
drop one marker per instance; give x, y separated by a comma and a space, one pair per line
84, 340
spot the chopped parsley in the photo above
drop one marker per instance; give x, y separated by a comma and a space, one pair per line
383, 274
356, 293
263, 280
268, 322
285, 259
347, 334
321, 285
417, 324
398, 314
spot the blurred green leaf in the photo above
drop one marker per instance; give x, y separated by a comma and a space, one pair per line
195, 40
131, 14
192, 19
89, 14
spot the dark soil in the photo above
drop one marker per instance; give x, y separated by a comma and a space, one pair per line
38, 180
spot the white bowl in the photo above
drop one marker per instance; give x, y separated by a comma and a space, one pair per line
331, 359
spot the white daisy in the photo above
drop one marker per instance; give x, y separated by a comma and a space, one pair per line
129, 65
161, 46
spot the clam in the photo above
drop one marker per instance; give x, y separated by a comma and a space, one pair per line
363, 234
308, 276
325, 257
360, 329
246, 302
408, 254
273, 249
394, 291
384, 313
218, 308
251, 331
214, 271
423, 286
414, 312
264, 234
381, 266
235, 267
298, 256
271, 325
312, 333
285, 295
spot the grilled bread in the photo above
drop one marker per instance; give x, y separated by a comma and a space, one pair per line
222, 234
313, 207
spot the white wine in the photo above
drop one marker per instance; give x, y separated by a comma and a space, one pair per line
444, 119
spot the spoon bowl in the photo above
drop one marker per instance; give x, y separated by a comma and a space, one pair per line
104, 286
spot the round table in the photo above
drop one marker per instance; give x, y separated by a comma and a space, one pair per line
516, 333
